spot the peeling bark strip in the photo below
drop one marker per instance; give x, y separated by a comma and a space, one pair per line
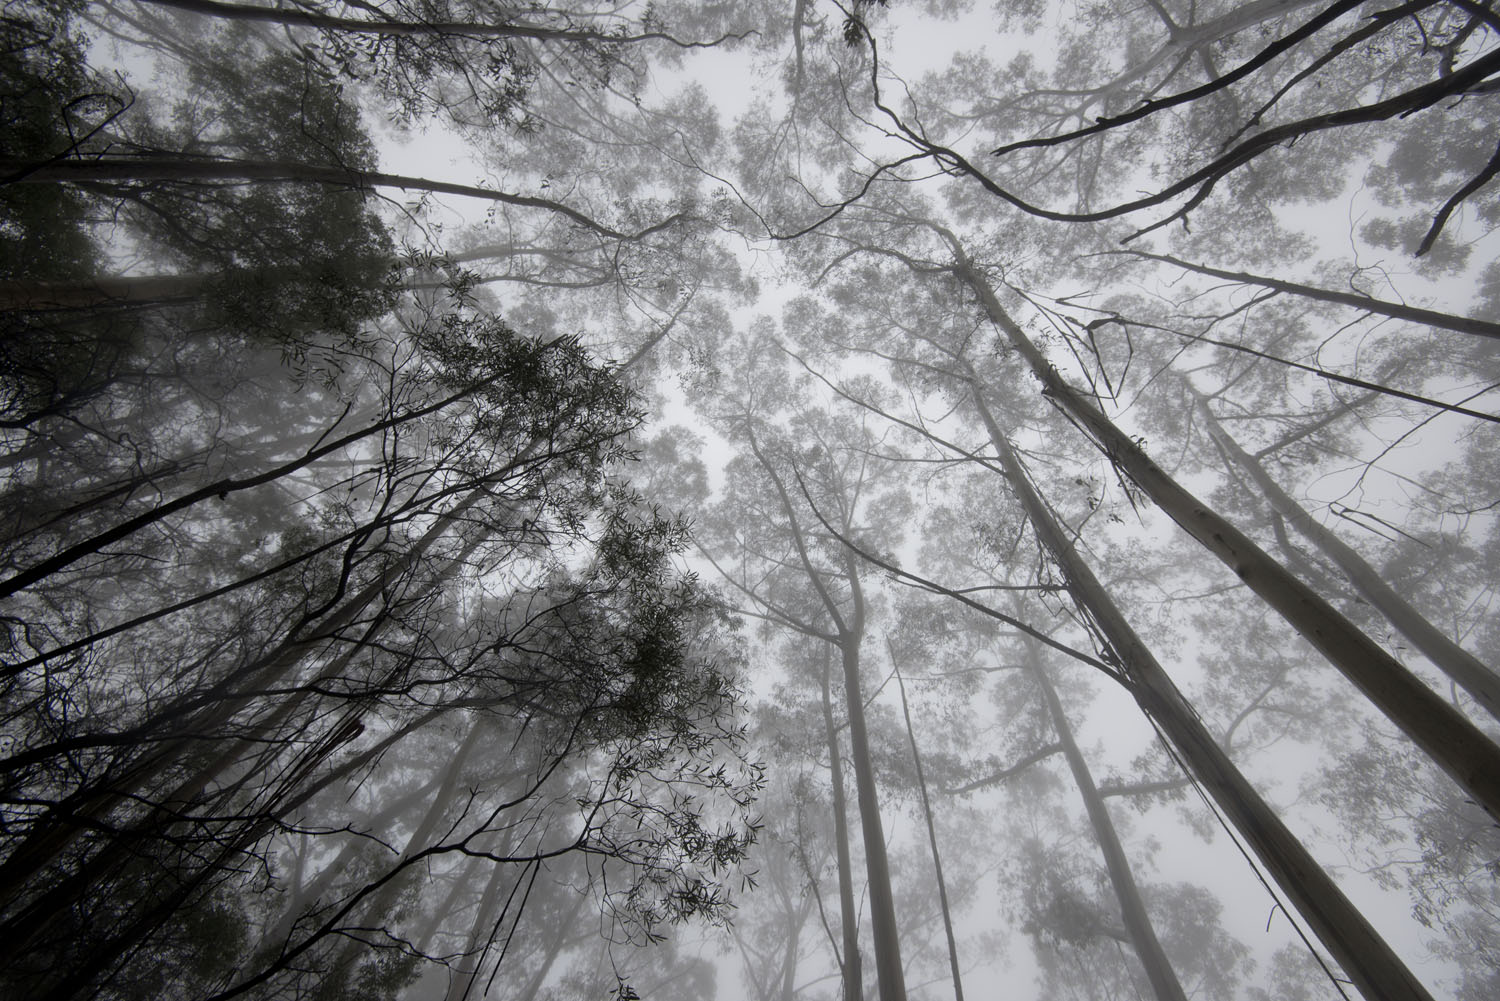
1466, 754
1357, 947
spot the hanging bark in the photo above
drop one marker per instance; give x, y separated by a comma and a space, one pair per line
1466, 754
1132, 908
1475, 677
1372, 965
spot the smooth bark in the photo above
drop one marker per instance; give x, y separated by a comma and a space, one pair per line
1132, 907
1465, 753
937, 859
1371, 963
849, 917
1472, 674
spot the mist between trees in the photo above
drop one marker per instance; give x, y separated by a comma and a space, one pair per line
831, 502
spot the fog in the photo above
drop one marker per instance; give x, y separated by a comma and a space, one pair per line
750, 501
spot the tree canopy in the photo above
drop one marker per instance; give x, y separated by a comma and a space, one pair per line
878, 499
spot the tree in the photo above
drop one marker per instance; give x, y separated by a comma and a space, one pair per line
352, 645
368, 646
829, 575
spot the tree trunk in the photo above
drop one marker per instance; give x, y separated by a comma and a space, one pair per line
1472, 759
853, 977
850, 624
1132, 908
1374, 968
888, 968
937, 860
1476, 678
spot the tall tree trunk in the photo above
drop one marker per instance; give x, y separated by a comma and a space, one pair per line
1132, 908
1476, 677
888, 967
1472, 759
850, 625
849, 918
937, 859
1372, 965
